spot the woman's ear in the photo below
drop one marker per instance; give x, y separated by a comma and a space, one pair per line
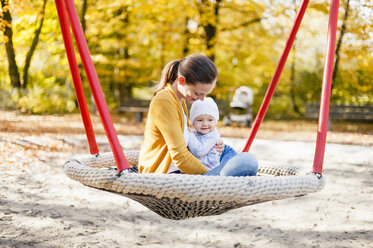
181, 80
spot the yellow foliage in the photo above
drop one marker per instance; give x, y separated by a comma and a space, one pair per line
130, 42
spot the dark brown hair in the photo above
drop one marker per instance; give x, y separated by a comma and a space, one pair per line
196, 68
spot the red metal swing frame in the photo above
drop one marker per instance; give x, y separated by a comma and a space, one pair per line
67, 14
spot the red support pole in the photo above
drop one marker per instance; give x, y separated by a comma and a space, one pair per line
272, 86
326, 89
69, 47
98, 95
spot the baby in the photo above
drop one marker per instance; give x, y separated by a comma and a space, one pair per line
204, 116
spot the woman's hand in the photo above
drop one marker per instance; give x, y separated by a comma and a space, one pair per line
219, 147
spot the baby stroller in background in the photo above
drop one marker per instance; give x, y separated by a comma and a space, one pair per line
240, 105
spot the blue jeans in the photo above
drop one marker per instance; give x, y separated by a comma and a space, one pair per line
233, 164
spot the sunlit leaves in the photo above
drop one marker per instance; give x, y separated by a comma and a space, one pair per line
130, 42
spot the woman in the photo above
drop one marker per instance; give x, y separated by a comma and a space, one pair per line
164, 147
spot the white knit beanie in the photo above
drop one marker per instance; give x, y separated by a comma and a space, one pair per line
205, 107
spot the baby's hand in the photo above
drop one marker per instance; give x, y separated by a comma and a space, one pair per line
219, 147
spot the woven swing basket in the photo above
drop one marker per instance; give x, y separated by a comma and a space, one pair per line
181, 196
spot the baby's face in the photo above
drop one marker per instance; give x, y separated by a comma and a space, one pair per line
204, 124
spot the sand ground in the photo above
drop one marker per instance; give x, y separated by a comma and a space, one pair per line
41, 207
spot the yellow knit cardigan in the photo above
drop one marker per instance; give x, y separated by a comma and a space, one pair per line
163, 138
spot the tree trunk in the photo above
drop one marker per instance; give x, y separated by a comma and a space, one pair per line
292, 75
186, 37
293, 83
210, 28
339, 43
125, 87
92, 103
210, 31
125, 92
82, 15
8, 33
34, 43
163, 45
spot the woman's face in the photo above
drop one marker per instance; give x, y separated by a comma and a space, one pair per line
192, 93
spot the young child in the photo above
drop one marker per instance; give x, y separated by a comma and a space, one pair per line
204, 116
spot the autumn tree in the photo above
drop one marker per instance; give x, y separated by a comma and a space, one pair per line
354, 55
34, 43
210, 19
8, 41
131, 41
11, 55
